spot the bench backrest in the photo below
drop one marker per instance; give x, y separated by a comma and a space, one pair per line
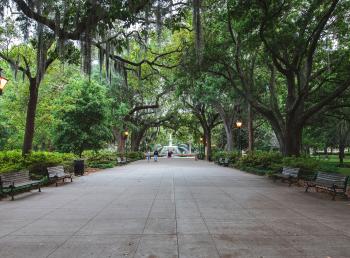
331, 179
16, 177
293, 172
55, 171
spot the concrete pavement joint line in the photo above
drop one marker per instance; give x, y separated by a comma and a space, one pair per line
257, 218
205, 223
148, 216
74, 234
308, 217
254, 214
35, 220
177, 233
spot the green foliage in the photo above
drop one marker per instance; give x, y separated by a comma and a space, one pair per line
82, 119
108, 159
304, 163
101, 159
132, 156
233, 156
262, 163
260, 159
35, 162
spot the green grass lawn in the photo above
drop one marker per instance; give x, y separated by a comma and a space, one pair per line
333, 161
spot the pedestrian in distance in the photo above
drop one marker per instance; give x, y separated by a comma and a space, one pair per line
155, 155
148, 156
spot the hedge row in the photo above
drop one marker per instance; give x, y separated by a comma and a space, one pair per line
37, 162
262, 162
108, 159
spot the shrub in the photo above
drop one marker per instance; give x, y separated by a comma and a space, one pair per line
132, 155
36, 162
231, 155
304, 163
135, 155
108, 159
261, 160
100, 159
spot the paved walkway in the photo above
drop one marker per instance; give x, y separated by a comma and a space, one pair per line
174, 208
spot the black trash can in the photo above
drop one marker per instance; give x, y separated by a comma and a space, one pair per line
79, 167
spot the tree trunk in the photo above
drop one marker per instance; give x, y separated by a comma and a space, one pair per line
30, 120
341, 154
292, 141
121, 143
208, 145
250, 129
227, 117
289, 139
136, 139
229, 136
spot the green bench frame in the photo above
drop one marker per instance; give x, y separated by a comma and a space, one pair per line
57, 173
223, 162
331, 182
13, 182
289, 174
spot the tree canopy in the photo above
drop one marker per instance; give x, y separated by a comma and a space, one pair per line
84, 72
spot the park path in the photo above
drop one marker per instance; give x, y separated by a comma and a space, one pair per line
174, 208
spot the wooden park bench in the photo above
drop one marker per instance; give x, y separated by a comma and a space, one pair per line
224, 162
331, 182
121, 160
57, 173
17, 181
289, 174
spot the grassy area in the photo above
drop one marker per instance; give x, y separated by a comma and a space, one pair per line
333, 162
345, 171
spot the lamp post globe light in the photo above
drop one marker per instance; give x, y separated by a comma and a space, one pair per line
3, 82
200, 146
239, 124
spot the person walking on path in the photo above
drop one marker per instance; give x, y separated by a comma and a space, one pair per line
148, 155
155, 154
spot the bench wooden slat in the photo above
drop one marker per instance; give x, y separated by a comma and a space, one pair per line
288, 173
13, 181
57, 173
334, 183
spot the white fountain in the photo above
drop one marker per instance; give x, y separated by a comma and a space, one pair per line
175, 149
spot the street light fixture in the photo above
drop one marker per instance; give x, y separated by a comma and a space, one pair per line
3, 82
239, 124
126, 134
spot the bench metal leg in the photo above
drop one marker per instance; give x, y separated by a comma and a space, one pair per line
334, 193
307, 187
12, 195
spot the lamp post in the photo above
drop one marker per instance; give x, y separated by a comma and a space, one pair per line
239, 125
3, 82
126, 134
200, 145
